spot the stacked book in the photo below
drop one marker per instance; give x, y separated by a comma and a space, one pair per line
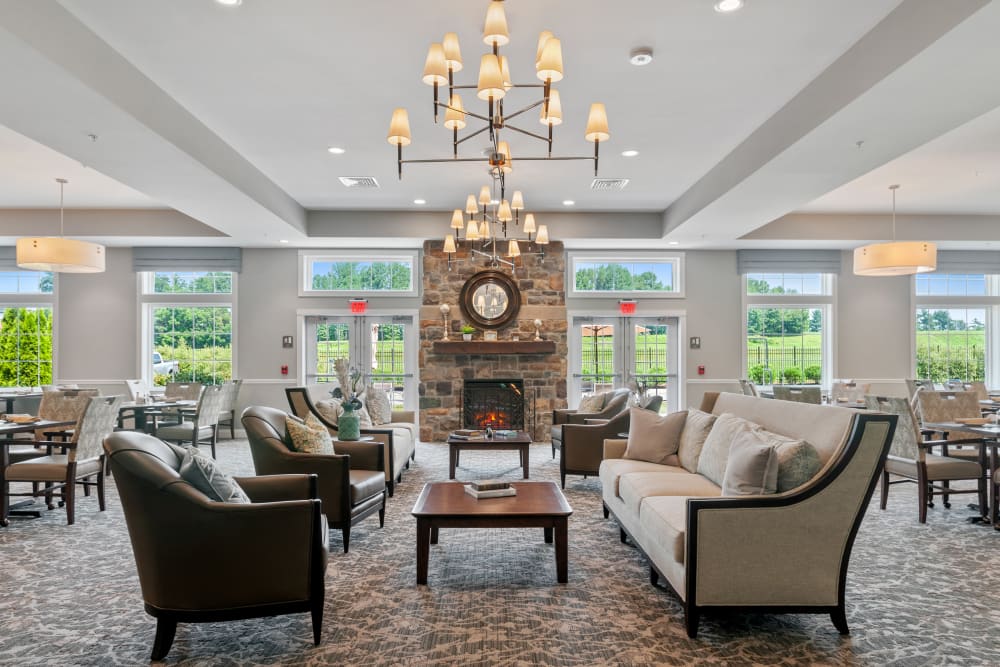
467, 434
490, 488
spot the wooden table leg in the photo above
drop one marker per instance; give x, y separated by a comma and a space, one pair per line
423, 549
548, 534
452, 460
562, 549
434, 534
524, 460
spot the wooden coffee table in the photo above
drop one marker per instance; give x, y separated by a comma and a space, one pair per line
519, 442
536, 505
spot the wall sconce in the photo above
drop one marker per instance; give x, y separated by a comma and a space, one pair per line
359, 306
626, 306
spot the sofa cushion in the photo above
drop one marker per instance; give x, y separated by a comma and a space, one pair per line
592, 403
205, 475
654, 438
696, 428
411, 428
664, 520
751, 465
309, 437
612, 470
634, 487
715, 452
378, 405
365, 484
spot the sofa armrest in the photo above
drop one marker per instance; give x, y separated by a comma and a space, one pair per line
582, 417
275, 488
793, 547
591, 422
364, 455
614, 448
561, 416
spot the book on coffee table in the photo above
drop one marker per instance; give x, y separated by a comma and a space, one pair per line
492, 493
489, 484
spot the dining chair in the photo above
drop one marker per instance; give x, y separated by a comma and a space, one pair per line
910, 459
83, 462
748, 388
948, 406
203, 427
175, 391
227, 416
848, 391
799, 394
137, 389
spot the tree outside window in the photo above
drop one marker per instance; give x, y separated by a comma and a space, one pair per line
26, 346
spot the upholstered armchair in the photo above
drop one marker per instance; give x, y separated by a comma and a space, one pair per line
203, 424
275, 547
581, 446
351, 482
910, 461
83, 462
614, 403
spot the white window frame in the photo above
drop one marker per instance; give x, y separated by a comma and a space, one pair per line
147, 285
825, 302
38, 300
307, 257
990, 303
149, 302
573, 258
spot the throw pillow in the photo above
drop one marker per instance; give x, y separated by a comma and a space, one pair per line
379, 406
696, 428
715, 452
332, 409
204, 474
798, 461
310, 437
752, 466
653, 438
592, 403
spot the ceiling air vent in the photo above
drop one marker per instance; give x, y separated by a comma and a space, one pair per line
359, 181
609, 184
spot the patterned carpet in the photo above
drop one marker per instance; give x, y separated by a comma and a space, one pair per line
917, 595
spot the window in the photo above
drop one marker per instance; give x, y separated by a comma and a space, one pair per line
188, 325
956, 320
618, 274
25, 346
26, 282
188, 282
354, 274
787, 327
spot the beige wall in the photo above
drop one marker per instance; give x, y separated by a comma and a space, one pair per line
98, 324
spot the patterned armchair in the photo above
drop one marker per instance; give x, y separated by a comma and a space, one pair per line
203, 427
83, 462
910, 460
947, 406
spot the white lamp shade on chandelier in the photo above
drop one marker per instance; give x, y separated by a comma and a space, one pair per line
457, 221
61, 255
597, 123
454, 115
452, 52
553, 114
490, 78
495, 29
550, 66
899, 258
543, 235
399, 128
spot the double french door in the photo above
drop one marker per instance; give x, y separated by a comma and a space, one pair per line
382, 347
610, 352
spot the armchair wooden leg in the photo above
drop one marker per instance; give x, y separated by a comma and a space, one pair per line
691, 621
100, 487
839, 618
605, 509
166, 628
69, 494
347, 535
390, 488
884, 489
922, 491
86, 487
317, 620
623, 536
381, 512
654, 578
945, 495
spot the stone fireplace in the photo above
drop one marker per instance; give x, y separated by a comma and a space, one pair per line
540, 367
496, 403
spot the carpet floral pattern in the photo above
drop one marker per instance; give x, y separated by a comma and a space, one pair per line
917, 595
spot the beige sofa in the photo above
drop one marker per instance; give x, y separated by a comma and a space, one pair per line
782, 553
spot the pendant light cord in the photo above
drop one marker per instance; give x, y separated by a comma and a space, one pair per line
62, 210
893, 189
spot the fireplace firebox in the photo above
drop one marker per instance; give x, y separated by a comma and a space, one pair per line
496, 403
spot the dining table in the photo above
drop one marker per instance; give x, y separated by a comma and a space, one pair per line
7, 430
8, 398
140, 411
988, 457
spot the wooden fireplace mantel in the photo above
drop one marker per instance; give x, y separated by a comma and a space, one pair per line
494, 347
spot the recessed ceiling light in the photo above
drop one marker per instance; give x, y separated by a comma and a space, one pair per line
568, 202
419, 202
673, 242
230, 3
282, 240
727, 6
641, 56
630, 153
336, 150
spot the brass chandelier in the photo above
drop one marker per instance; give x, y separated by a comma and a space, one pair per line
490, 213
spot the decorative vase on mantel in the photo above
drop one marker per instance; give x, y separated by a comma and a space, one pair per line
349, 424
466, 336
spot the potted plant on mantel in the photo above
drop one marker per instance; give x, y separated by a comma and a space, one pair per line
467, 332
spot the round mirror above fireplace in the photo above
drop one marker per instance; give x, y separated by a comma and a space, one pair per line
490, 299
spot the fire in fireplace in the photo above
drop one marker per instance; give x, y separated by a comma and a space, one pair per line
496, 403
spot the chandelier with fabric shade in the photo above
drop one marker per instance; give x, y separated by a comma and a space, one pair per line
896, 258
58, 253
493, 86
